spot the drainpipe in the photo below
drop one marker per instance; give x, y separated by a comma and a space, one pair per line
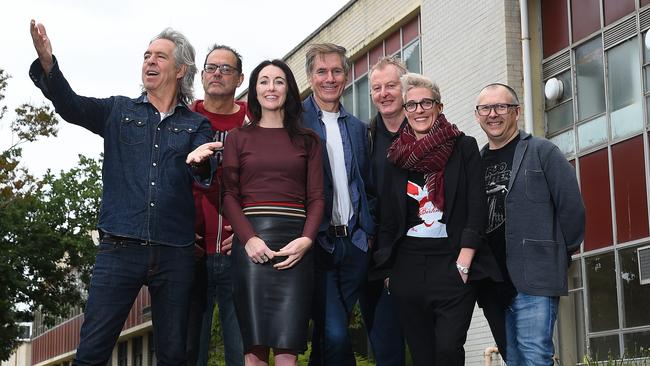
525, 53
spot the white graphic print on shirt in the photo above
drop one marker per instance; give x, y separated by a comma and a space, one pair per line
496, 187
431, 227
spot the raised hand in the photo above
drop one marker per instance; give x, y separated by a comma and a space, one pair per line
42, 45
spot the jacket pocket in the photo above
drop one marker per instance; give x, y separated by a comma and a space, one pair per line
542, 267
133, 129
180, 137
536, 187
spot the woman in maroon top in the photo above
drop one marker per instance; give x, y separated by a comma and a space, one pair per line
273, 197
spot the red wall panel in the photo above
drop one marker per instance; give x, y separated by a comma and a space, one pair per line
594, 183
630, 196
410, 31
555, 26
376, 53
585, 18
393, 43
616, 9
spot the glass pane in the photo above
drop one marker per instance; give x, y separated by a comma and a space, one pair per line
646, 51
592, 133
412, 57
624, 88
565, 142
559, 117
347, 101
636, 345
604, 348
590, 83
636, 297
647, 109
601, 294
362, 99
571, 328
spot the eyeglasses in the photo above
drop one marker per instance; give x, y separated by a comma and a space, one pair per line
485, 109
426, 104
225, 69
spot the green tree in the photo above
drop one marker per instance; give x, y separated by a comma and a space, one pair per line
45, 226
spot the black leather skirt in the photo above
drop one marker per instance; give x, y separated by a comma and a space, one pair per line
273, 306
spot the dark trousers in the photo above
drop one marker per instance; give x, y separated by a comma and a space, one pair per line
435, 307
338, 279
120, 271
197, 307
494, 298
381, 319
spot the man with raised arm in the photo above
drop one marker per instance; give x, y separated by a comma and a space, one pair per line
154, 147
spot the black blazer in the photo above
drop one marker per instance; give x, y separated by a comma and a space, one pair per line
465, 212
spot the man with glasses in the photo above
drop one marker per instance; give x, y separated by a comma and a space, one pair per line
221, 75
147, 214
341, 254
536, 220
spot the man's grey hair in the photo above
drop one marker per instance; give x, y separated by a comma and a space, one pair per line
183, 55
412, 80
319, 49
388, 60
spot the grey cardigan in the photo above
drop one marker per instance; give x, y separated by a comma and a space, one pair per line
545, 217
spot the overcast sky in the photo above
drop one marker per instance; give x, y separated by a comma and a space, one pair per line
99, 45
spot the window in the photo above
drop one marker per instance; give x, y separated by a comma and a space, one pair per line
636, 297
601, 286
624, 96
405, 44
122, 354
136, 350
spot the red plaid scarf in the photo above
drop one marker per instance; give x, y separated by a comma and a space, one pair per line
428, 155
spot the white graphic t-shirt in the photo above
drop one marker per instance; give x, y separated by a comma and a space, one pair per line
427, 223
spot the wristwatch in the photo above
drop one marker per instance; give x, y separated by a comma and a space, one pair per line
462, 269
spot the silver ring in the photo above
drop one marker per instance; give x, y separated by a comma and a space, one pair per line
264, 258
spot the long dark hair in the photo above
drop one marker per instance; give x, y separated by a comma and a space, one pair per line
292, 105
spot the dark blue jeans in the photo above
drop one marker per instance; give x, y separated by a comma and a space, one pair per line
219, 287
119, 273
338, 280
381, 318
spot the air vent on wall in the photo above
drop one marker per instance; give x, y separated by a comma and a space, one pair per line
556, 65
620, 32
644, 19
644, 264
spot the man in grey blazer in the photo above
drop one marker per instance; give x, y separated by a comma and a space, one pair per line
536, 221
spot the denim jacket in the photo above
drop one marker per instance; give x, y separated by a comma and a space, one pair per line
147, 187
359, 179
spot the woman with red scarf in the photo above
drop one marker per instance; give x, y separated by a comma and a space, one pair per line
431, 246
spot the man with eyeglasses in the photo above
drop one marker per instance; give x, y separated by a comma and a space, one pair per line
221, 75
536, 220
341, 255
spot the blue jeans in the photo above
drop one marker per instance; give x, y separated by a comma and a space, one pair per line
529, 330
338, 281
119, 273
381, 318
219, 282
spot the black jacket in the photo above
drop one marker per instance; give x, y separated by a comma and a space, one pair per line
465, 211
